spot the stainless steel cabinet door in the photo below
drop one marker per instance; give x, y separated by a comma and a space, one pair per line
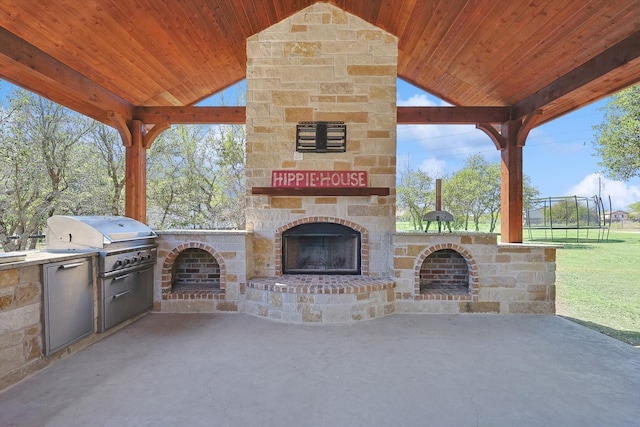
68, 302
125, 296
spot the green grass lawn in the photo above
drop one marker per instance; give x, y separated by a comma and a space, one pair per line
598, 284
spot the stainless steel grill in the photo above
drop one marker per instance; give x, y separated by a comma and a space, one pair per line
127, 255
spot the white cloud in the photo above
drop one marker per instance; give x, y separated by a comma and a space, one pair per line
446, 141
422, 100
621, 193
433, 167
435, 147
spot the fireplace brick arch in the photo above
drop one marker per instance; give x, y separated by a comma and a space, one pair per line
364, 239
466, 255
167, 267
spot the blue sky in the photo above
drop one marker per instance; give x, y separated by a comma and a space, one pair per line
558, 156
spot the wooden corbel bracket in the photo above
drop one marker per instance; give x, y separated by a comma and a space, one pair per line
521, 127
153, 132
121, 126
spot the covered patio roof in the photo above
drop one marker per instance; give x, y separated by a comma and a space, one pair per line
498, 62
111, 55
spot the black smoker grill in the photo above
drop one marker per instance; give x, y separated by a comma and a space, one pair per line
127, 257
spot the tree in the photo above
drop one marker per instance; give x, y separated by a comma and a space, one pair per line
55, 161
40, 162
107, 152
196, 178
228, 141
618, 137
415, 193
634, 210
473, 192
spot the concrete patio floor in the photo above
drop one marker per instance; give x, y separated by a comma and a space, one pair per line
404, 370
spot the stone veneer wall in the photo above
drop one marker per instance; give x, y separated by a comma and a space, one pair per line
321, 64
20, 322
504, 278
22, 317
233, 252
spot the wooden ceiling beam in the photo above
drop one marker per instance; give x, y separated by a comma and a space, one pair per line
44, 75
406, 115
191, 115
616, 56
452, 115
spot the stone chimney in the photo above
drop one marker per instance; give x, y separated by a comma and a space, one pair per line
321, 64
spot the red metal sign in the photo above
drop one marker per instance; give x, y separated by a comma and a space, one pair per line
322, 179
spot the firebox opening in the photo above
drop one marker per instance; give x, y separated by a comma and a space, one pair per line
195, 270
444, 271
321, 248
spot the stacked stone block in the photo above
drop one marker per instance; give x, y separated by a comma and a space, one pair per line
503, 278
321, 64
320, 299
232, 251
20, 326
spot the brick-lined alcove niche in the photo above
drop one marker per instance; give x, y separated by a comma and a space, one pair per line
193, 270
446, 272
445, 269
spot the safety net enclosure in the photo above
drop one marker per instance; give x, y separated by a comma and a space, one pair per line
568, 216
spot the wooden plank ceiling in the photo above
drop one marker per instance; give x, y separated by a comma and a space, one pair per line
118, 55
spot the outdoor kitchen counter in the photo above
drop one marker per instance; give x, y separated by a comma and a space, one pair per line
22, 312
41, 256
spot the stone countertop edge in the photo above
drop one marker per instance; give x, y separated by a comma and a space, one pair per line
38, 257
532, 245
201, 232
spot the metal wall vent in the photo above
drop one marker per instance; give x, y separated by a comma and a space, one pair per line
321, 137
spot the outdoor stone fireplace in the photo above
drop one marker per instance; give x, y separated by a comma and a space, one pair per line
320, 243
321, 64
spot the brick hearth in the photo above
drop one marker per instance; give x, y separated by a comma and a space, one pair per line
320, 298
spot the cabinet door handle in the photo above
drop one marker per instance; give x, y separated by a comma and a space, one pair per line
121, 294
124, 276
72, 265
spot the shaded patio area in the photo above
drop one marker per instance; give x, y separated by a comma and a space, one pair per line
403, 370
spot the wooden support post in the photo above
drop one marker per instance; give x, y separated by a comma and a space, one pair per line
510, 141
136, 175
136, 140
511, 205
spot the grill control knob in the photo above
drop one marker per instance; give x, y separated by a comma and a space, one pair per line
126, 262
117, 264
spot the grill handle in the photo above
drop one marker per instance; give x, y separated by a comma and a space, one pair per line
121, 294
72, 265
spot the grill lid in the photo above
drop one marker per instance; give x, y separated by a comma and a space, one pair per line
443, 216
67, 232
